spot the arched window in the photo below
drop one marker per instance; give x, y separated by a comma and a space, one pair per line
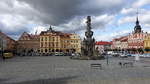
46, 50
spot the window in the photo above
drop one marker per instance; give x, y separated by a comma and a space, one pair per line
45, 44
45, 50
41, 50
49, 44
49, 38
41, 38
57, 39
53, 39
45, 38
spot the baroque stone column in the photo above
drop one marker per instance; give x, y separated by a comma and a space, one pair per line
88, 44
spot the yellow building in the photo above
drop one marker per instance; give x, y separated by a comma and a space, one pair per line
54, 41
147, 44
75, 43
65, 43
49, 42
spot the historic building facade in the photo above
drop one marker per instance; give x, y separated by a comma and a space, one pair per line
136, 39
75, 43
50, 42
6, 43
133, 42
65, 43
124, 43
116, 43
147, 43
54, 41
28, 44
102, 46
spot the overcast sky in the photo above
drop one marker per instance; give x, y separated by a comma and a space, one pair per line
110, 18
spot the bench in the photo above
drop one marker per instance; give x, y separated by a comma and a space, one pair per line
126, 64
96, 66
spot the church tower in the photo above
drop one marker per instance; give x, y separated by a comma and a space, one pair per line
137, 28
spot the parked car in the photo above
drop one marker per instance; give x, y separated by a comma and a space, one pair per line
133, 55
129, 55
7, 55
59, 54
75, 57
123, 55
115, 54
56, 53
146, 55
142, 55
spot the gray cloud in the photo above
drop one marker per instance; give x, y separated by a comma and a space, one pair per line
55, 11
66, 15
61, 11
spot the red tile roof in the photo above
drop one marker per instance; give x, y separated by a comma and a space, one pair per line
34, 36
103, 43
122, 39
30, 36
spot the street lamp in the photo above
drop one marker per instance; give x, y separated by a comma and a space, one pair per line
1, 42
105, 50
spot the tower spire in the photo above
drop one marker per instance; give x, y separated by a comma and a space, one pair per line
137, 20
50, 29
137, 28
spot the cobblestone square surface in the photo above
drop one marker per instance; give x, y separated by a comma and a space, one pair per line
63, 70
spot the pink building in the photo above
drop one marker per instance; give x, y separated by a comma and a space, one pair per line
120, 43
102, 45
136, 39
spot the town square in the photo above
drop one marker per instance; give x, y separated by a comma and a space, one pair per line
74, 42
62, 70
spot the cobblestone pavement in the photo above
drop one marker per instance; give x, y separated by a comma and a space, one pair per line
62, 70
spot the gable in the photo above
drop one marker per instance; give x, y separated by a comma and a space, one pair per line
25, 36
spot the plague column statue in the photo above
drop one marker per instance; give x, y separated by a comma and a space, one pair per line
88, 44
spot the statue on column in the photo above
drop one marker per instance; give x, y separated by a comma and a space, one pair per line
88, 44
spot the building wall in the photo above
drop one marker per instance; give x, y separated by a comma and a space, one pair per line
75, 42
6, 42
116, 43
28, 42
147, 41
50, 43
147, 44
59, 42
124, 45
101, 46
65, 44
136, 40
113, 44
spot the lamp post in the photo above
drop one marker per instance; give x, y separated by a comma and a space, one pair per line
1, 42
105, 50
107, 60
